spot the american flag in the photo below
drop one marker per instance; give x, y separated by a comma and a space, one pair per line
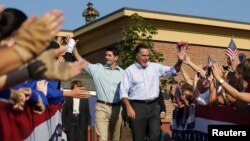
231, 50
209, 65
209, 61
177, 95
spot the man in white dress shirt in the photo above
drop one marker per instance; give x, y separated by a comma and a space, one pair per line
139, 91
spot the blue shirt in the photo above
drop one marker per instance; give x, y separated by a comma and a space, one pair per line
54, 94
34, 93
106, 81
140, 83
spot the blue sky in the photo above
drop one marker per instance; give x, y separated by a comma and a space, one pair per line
235, 10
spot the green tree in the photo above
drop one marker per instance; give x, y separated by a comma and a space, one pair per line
138, 31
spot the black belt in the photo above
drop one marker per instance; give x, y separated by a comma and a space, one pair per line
109, 104
145, 101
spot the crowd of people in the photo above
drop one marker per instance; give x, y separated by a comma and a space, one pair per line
30, 70
33, 64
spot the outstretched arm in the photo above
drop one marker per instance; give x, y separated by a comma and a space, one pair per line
75, 50
188, 61
243, 96
42, 30
181, 55
186, 77
13, 59
213, 93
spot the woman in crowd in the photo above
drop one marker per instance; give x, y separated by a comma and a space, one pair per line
244, 70
76, 116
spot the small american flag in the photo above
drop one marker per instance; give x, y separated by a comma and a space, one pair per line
209, 65
177, 96
231, 50
209, 61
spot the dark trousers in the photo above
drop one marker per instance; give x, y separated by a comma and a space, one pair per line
75, 134
146, 124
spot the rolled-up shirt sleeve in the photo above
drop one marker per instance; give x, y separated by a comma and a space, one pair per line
166, 70
125, 85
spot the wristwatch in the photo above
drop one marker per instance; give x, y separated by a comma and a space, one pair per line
221, 81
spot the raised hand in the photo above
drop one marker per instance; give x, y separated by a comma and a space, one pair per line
216, 71
79, 92
59, 70
20, 96
42, 30
42, 86
187, 59
181, 55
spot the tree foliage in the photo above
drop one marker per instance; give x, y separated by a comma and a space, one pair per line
138, 31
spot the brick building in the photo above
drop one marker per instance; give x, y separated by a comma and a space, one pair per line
206, 36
